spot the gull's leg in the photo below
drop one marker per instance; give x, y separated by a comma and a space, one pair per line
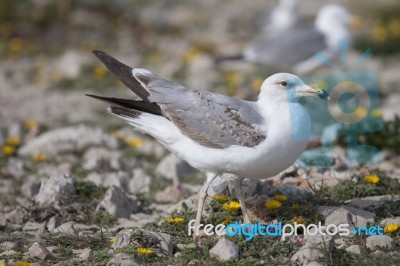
239, 195
202, 198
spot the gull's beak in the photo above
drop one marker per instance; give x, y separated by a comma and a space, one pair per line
305, 90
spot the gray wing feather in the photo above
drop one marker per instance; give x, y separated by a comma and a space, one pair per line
212, 120
286, 49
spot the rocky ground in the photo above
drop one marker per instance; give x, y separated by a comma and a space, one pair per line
78, 187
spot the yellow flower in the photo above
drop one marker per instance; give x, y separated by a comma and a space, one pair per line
390, 228
227, 221
99, 71
280, 197
360, 112
40, 157
21, 263
31, 124
298, 220
379, 33
256, 84
191, 54
220, 197
174, 220
8, 150
372, 179
112, 240
12, 141
144, 251
16, 45
134, 142
295, 206
273, 204
231, 206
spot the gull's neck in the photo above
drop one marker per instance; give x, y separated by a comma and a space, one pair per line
334, 32
291, 116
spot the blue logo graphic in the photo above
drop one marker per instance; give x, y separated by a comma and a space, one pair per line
368, 231
353, 109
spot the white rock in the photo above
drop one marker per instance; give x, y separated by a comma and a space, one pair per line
376, 201
71, 62
47, 169
66, 228
67, 139
142, 219
7, 245
315, 263
140, 182
391, 107
122, 239
86, 254
16, 167
356, 249
117, 204
101, 158
291, 181
8, 253
315, 249
346, 215
386, 221
166, 245
122, 259
37, 251
170, 194
172, 168
55, 188
31, 187
6, 187
53, 223
225, 250
35, 227
183, 205
118, 179
17, 216
223, 184
380, 242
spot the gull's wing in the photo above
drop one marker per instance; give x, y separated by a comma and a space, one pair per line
287, 49
209, 119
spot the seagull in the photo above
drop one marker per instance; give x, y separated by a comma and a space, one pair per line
283, 17
296, 48
215, 133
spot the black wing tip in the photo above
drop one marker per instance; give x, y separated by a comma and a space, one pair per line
95, 96
99, 53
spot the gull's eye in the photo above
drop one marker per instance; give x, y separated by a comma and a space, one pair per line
283, 83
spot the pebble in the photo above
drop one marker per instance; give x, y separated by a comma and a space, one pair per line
380, 242
117, 204
225, 250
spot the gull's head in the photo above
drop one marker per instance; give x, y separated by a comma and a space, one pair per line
332, 15
333, 21
283, 17
286, 87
